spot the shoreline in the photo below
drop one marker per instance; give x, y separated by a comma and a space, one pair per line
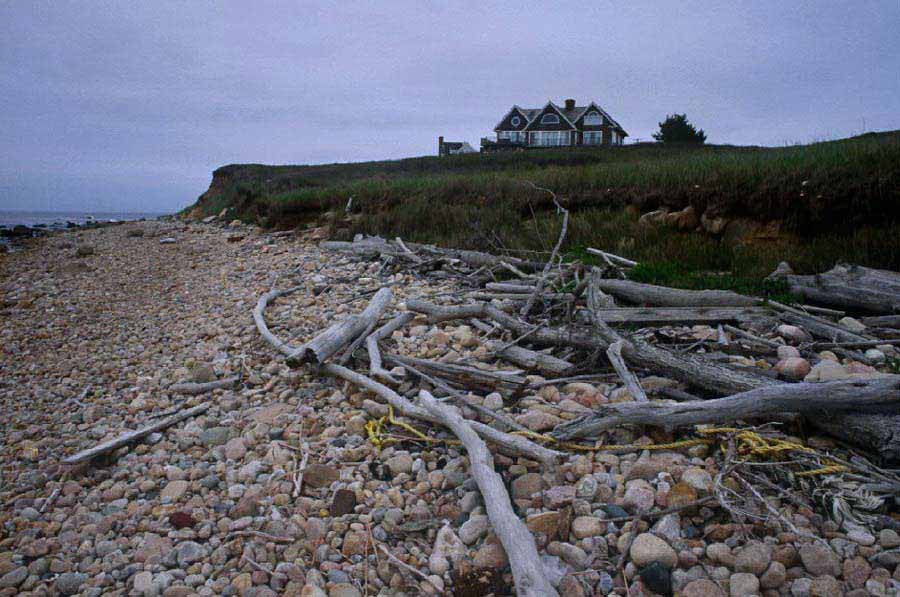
14, 234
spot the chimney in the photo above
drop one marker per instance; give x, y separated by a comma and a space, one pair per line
570, 104
441, 145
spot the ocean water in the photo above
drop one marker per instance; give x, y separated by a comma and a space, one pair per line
58, 219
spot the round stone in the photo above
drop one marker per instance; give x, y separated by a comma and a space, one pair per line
649, 548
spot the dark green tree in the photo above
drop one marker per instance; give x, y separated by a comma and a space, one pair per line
676, 129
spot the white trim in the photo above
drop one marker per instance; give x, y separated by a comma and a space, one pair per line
611, 119
543, 111
515, 108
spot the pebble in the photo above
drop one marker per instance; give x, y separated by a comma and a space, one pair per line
826, 370
649, 548
754, 557
70, 583
787, 352
742, 584
174, 490
342, 502
793, 368
527, 485
639, 495
490, 555
820, 560
793, 333
14, 577
861, 537
774, 576
889, 538
702, 588
559, 496
401, 463
474, 529
587, 526
698, 478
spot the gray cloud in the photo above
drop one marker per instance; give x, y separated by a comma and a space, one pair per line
128, 105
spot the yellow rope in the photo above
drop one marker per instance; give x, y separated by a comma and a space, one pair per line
750, 444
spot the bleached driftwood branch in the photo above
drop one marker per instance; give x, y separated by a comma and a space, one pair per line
375, 366
517, 541
339, 335
542, 279
818, 399
193, 389
614, 352
136, 435
662, 296
260, 320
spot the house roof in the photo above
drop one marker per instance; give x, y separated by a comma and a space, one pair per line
571, 115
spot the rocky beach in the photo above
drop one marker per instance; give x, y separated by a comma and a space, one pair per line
278, 488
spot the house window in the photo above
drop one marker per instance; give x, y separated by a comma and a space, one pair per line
512, 136
551, 138
593, 119
549, 119
593, 137
515, 121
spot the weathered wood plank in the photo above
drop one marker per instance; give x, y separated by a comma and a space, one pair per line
136, 435
662, 296
678, 315
880, 394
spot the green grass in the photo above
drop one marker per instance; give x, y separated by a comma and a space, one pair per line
837, 200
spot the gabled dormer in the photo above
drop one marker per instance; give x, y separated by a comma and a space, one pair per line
550, 118
515, 120
592, 119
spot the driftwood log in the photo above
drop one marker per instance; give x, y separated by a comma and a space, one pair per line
131, 437
339, 335
653, 316
822, 328
192, 389
374, 246
886, 321
614, 259
847, 287
462, 376
260, 320
517, 540
880, 394
614, 353
662, 296
530, 360
375, 367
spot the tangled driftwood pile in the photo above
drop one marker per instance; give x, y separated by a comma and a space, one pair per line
530, 310
568, 363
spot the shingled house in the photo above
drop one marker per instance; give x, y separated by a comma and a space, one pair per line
555, 126
453, 147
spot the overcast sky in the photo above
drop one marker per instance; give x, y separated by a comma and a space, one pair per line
130, 106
